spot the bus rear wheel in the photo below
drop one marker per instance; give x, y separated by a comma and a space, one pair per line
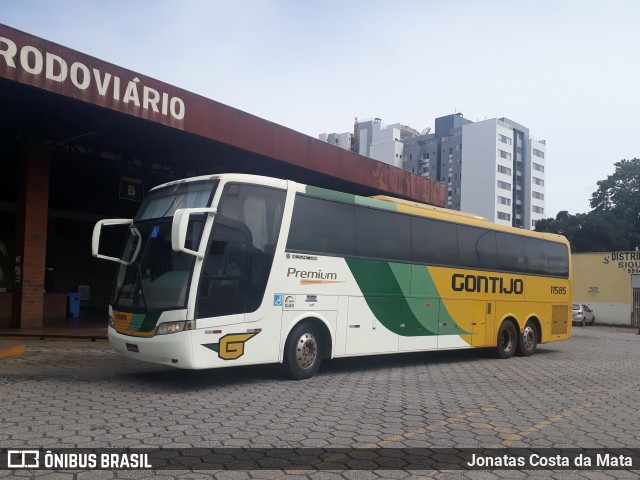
507, 340
303, 352
528, 340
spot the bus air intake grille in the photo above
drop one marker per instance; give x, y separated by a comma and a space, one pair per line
559, 319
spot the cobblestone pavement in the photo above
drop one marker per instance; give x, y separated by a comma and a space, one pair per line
581, 393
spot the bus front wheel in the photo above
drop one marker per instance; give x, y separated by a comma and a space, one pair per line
507, 340
303, 351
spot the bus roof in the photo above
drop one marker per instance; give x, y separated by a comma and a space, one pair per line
400, 205
456, 216
432, 208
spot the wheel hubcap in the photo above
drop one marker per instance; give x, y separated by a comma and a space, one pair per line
528, 338
306, 350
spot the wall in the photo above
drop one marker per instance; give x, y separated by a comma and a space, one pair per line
531, 144
479, 170
601, 282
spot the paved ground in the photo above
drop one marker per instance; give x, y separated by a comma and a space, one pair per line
581, 393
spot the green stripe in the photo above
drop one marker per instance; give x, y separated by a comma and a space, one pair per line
402, 294
348, 198
330, 194
144, 322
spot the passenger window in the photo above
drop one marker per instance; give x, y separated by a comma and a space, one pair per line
322, 226
558, 259
434, 243
510, 252
536, 259
383, 235
477, 247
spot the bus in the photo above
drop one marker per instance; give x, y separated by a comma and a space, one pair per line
236, 269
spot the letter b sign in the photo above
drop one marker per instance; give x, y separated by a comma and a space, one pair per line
131, 188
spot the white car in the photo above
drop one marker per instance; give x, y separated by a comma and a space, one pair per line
582, 315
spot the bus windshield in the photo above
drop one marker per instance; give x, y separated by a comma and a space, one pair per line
155, 277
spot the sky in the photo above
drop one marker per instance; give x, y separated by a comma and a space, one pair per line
569, 70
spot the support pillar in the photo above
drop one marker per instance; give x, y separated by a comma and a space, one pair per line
31, 239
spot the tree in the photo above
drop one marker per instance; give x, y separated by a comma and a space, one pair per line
593, 231
614, 222
620, 192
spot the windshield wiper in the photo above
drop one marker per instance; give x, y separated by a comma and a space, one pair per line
136, 283
139, 282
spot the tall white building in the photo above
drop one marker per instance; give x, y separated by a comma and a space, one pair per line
503, 173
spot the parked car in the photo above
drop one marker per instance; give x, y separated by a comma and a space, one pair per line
582, 315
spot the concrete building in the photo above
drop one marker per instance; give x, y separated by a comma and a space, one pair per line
503, 173
342, 140
374, 139
492, 168
609, 283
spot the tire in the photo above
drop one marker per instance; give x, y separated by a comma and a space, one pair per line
593, 321
507, 340
303, 352
583, 323
528, 340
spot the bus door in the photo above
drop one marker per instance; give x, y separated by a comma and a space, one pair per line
482, 323
240, 254
472, 320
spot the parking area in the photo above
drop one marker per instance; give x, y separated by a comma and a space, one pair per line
582, 393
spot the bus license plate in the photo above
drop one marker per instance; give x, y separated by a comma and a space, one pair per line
132, 347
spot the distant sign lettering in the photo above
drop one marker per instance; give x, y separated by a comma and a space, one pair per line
629, 261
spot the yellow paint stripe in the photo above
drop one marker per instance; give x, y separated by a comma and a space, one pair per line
318, 282
11, 349
508, 436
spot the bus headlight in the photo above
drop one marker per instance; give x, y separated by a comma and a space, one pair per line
110, 321
175, 327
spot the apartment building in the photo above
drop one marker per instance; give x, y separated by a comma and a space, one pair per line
492, 167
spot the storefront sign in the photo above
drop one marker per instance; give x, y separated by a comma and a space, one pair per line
629, 261
35, 65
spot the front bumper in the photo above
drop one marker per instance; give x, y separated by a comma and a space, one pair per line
175, 350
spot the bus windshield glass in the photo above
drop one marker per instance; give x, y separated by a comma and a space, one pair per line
165, 201
156, 277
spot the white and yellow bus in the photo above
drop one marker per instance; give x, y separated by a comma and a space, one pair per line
233, 269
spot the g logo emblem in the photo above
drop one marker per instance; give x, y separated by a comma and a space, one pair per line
231, 346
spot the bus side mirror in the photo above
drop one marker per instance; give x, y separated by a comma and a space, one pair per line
97, 231
180, 226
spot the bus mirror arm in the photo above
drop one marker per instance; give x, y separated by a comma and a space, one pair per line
180, 226
97, 231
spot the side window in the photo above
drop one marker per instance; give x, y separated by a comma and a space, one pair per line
536, 256
510, 252
322, 226
477, 247
384, 235
558, 259
434, 242
240, 250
